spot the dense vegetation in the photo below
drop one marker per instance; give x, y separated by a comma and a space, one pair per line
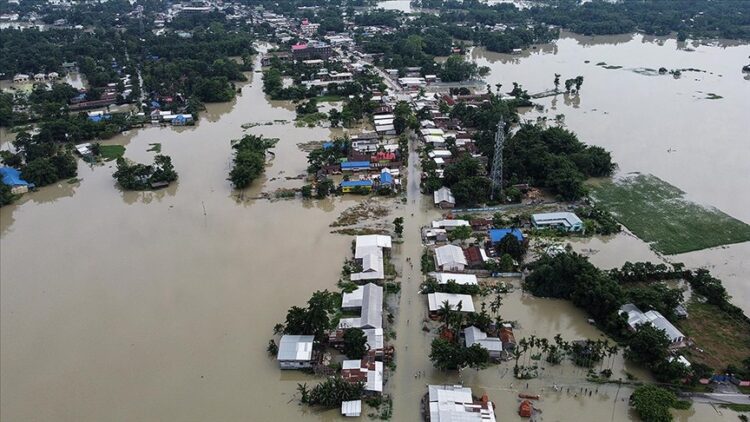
315, 319
652, 403
136, 176
249, 160
41, 158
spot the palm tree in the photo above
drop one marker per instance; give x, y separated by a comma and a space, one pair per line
498, 86
557, 81
445, 312
303, 392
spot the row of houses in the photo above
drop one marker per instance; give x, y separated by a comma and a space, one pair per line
38, 77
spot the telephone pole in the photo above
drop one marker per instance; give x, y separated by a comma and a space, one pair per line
496, 174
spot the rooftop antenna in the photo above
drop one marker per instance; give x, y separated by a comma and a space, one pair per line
497, 161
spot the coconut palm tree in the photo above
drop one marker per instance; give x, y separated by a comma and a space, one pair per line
303, 392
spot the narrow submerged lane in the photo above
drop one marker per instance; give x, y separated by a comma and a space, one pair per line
412, 345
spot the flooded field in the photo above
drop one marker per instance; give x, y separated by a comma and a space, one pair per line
159, 305
653, 123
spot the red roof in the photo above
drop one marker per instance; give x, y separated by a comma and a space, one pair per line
473, 255
299, 46
384, 156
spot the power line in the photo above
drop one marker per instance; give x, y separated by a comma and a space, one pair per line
497, 161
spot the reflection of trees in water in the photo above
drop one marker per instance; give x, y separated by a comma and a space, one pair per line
573, 100
592, 40
148, 196
6, 217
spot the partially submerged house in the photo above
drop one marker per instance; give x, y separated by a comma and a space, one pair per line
497, 235
348, 186
450, 258
366, 370
436, 300
567, 221
450, 224
369, 251
455, 403
369, 299
473, 335
12, 177
443, 198
351, 408
295, 351
463, 279
655, 318
507, 337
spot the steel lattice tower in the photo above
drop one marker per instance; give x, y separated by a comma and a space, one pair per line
497, 162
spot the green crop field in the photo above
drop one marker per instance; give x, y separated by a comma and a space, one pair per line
658, 213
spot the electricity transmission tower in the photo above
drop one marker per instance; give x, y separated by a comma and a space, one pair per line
497, 162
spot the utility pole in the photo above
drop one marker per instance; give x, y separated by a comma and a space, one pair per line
497, 162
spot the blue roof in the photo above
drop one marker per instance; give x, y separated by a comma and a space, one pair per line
155, 104
354, 183
327, 145
496, 235
12, 177
99, 117
386, 178
354, 164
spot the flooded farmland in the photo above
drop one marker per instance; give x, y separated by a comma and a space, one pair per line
158, 305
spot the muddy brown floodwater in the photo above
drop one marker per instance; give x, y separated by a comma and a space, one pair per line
159, 305
654, 123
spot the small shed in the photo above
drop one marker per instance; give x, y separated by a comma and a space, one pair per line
352, 408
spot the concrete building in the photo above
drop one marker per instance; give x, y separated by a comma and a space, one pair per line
295, 352
449, 403
450, 258
564, 220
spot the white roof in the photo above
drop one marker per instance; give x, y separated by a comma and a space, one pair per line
351, 408
450, 254
383, 117
454, 403
353, 299
370, 298
434, 139
295, 347
439, 224
444, 153
474, 335
444, 194
568, 219
431, 131
655, 318
464, 279
435, 301
369, 249
375, 339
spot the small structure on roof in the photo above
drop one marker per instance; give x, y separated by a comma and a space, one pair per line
450, 258
351, 408
443, 198
473, 335
496, 235
295, 351
567, 221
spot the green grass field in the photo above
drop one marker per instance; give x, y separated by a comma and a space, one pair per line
658, 213
111, 152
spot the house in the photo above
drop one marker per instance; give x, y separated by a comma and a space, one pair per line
40, 77
567, 221
367, 371
182, 119
53, 75
386, 179
655, 318
370, 305
462, 279
351, 408
456, 403
412, 82
496, 235
507, 337
369, 251
450, 258
355, 166
480, 224
475, 257
443, 198
432, 236
12, 177
435, 302
313, 50
21, 78
473, 335
449, 224
295, 351
348, 186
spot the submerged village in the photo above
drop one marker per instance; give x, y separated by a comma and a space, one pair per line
364, 222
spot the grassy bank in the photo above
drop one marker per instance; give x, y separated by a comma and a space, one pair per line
111, 152
725, 340
658, 213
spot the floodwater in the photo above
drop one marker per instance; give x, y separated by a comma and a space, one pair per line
654, 123
159, 305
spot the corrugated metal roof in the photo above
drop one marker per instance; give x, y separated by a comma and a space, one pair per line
496, 235
435, 301
450, 254
442, 278
295, 347
351, 408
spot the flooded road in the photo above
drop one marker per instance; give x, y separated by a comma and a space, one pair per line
159, 305
654, 123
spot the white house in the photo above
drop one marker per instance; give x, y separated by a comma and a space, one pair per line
473, 335
462, 279
369, 298
655, 318
565, 220
456, 403
443, 198
368, 251
450, 258
435, 301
